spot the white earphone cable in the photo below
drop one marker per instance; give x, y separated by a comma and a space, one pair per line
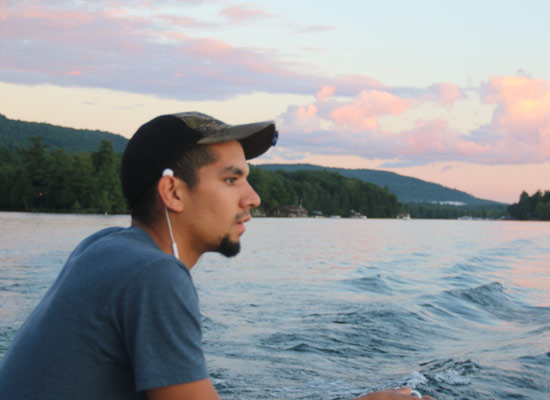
174, 245
169, 172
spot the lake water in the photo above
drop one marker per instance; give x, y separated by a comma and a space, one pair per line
333, 308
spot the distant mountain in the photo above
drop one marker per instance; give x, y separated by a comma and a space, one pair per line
15, 134
407, 189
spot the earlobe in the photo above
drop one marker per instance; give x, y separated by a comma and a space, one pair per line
169, 191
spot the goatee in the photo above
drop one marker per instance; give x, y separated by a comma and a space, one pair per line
228, 247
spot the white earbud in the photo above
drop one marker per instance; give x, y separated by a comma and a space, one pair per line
167, 172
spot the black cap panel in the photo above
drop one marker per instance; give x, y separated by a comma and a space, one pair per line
154, 146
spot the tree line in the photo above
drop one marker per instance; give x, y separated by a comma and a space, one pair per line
34, 178
536, 206
447, 211
322, 192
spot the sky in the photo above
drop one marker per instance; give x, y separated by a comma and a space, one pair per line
456, 93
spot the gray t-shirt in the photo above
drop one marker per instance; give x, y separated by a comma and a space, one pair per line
121, 318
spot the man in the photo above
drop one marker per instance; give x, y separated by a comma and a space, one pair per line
122, 319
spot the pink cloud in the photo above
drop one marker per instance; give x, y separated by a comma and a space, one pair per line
426, 138
103, 44
131, 52
522, 116
138, 52
210, 48
445, 93
303, 119
3, 12
426, 142
434, 139
324, 93
59, 19
519, 132
350, 84
244, 13
186, 22
362, 112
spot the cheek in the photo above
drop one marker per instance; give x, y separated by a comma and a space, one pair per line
216, 207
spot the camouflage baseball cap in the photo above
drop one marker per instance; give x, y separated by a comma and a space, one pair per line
157, 144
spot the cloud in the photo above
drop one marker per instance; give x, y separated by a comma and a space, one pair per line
303, 119
426, 142
519, 132
433, 140
244, 13
130, 51
316, 29
146, 49
362, 112
521, 121
324, 93
143, 49
186, 22
349, 85
445, 93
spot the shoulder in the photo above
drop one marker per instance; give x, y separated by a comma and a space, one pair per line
151, 274
164, 279
124, 262
123, 247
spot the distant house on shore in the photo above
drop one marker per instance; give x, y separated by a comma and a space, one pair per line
292, 211
357, 214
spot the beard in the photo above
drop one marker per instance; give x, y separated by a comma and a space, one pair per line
228, 248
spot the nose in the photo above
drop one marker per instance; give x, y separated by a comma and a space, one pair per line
251, 199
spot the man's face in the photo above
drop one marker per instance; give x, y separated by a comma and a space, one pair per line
217, 207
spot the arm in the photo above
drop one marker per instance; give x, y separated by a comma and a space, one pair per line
198, 390
392, 394
204, 390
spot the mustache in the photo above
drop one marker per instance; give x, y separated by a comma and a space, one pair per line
242, 216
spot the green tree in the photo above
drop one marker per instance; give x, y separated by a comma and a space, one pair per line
108, 194
58, 193
542, 211
36, 167
531, 207
82, 182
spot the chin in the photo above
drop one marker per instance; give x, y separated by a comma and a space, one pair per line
228, 247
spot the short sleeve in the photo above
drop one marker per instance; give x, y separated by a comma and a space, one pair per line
161, 326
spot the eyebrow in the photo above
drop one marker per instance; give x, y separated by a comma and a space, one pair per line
232, 169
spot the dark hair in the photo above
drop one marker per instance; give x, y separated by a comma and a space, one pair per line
186, 167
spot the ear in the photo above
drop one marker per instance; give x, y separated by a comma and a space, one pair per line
170, 191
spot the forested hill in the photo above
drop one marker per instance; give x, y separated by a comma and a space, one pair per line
407, 189
16, 134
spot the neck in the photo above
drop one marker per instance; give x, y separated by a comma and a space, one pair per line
159, 232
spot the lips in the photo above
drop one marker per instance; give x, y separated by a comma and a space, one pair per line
242, 218
241, 221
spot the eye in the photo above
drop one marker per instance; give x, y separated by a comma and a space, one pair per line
231, 180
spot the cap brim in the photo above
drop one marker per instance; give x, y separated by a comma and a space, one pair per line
256, 138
